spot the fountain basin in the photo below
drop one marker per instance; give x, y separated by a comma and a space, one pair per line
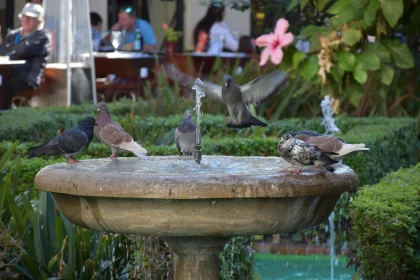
193, 205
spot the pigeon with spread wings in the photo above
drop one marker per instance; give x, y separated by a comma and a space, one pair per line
237, 97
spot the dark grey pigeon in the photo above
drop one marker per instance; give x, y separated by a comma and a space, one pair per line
238, 109
69, 143
237, 97
185, 135
302, 154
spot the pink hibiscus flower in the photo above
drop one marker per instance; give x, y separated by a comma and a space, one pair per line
164, 25
274, 43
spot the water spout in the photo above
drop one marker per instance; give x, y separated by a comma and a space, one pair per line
199, 93
327, 111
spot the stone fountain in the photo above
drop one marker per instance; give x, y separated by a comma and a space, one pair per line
195, 205
195, 208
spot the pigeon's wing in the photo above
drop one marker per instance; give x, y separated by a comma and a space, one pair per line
70, 141
113, 134
177, 133
263, 87
212, 90
324, 143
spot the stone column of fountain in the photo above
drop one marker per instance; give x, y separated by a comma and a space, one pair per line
196, 208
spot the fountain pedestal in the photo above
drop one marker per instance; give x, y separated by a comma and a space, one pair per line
196, 208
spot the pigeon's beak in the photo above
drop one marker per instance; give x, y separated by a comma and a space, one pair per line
98, 110
95, 124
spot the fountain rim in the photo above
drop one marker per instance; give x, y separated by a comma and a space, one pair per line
312, 182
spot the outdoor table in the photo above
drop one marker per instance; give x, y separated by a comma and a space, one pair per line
124, 64
205, 62
6, 67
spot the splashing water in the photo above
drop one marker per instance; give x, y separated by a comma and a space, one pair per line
328, 122
199, 93
330, 129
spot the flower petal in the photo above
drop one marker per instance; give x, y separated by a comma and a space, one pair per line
277, 56
265, 54
281, 27
265, 40
286, 39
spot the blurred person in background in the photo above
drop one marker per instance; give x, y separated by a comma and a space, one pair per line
212, 29
96, 27
32, 43
128, 23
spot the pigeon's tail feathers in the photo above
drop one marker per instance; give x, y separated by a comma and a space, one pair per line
140, 155
350, 148
133, 147
329, 168
37, 150
250, 122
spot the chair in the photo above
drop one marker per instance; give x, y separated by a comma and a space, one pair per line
23, 98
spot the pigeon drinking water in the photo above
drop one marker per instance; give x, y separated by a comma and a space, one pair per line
113, 135
185, 135
69, 143
329, 144
302, 154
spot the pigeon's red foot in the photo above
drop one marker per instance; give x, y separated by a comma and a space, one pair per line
73, 161
285, 169
113, 156
298, 171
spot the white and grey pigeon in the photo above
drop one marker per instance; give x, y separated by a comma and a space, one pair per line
113, 135
236, 97
185, 135
301, 154
329, 144
69, 143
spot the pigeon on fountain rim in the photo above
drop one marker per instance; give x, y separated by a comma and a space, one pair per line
302, 154
69, 143
113, 135
185, 135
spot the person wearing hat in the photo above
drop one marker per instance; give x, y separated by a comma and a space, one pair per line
30, 42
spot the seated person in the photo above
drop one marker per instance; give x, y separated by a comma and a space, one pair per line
128, 23
96, 27
31, 42
213, 26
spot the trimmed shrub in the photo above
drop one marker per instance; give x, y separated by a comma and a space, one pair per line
386, 219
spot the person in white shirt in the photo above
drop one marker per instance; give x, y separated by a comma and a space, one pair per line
211, 33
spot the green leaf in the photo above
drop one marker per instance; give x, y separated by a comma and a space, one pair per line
354, 92
351, 36
400, 54
320, 4
368, 60
310, 67
346, 60
339, 6
380, 51
303, 4
297, 58
387, 74
371, 11
392, 10
360, 75
337, 73
313, 30
292, 5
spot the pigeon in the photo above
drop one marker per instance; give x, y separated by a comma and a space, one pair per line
237, 97
185, 135
113, 135
300, 153
69, 143
329, 144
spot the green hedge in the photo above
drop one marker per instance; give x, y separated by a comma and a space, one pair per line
386, 219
